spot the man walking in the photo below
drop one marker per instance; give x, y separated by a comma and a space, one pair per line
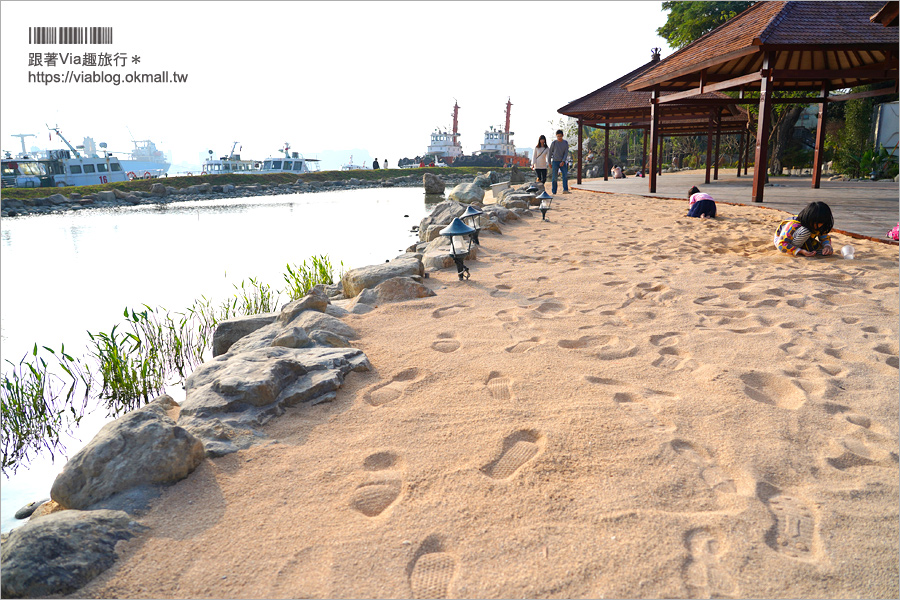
559, 155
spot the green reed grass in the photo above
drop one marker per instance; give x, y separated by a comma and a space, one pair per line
133, 363
302, 278
39, 405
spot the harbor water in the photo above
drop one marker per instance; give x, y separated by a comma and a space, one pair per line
65, 274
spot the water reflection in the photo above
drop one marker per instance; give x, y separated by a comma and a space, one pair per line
64, 274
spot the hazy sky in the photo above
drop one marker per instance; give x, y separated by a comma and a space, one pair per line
321, 76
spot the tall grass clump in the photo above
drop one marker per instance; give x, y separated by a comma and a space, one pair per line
38, 405
133, 362
302, 278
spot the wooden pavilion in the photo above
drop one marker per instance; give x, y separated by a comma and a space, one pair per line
614, 107
778, 46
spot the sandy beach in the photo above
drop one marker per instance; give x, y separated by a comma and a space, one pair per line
621, 402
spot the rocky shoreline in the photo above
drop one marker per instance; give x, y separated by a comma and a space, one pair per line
161, 194
261, 365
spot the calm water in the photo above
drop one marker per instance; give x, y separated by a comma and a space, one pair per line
63, 275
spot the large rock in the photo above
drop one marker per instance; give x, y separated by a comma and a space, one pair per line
433, 184
312, 320
441, 216
316, 300
482, 181
356, 280
62, 552
231, 330
398, 289
106, 196
158, 189
515, 176
228, 397
144, 447
466, 193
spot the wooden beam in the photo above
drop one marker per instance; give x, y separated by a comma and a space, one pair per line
644, 152
654, 133
762, 136
606, 154
820, 142
816, 74
856, 95
580, 133
709, 144
716, 159
711, 87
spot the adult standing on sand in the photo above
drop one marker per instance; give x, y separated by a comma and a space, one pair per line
375, 164
541, 159
559, 152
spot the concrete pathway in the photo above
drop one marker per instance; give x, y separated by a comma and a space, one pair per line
862, 207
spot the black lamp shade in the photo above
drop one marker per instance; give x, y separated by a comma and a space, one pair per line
544, 196
456, 227
471, 211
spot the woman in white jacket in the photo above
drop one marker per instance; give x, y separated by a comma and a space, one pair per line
541, 161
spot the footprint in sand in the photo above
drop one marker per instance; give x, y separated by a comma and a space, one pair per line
518, 449
449, 310
670, 357
604, 347
526, 345
776, 390
509, 315
703, 573
499, 386
432, 570
550, 309
395, 388
446, 343
382, 486
637, 407
853, 453
794, 532
501, 291
714, 476
501, 274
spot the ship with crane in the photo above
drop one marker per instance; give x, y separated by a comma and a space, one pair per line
499, 143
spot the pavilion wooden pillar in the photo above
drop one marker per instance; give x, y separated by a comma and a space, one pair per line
709, 143
718, 135
606, 152
580, 131
661, 153
820, 140
747, 147
654, 134
644, 153
740, 153
761, 158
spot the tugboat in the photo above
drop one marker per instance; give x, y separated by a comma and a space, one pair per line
229, 164
499, 144
444, 144
291, 161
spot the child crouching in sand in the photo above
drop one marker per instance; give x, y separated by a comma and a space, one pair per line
807, 233
702, 205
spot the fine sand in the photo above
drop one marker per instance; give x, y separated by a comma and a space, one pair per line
621, 402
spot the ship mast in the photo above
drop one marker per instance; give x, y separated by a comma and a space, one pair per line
22, 137
455, 120
508, 107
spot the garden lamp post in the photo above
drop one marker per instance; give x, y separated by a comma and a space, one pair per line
458, 231
472, 215
546, 200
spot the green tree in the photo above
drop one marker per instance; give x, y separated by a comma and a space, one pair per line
688, 20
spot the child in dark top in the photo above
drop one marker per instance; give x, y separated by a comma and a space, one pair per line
702, 205
807, 233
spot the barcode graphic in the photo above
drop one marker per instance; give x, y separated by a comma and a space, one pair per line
70, 35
